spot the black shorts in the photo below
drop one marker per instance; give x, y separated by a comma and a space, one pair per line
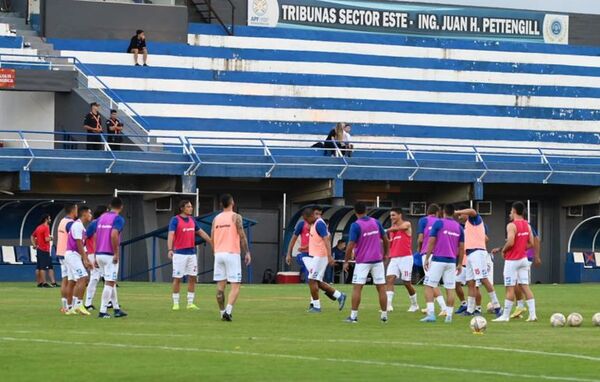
43, 260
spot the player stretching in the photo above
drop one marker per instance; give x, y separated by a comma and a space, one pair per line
516, 267
229, 241
533, 256
302, 230
89, 246
366, 235
477, 255
61, 247
446, 242
423, 231
401, 259
181, 244
77, 261
108, 240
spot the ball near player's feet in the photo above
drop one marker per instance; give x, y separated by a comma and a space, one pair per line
558, 320
478, 325
574, 320
596, 319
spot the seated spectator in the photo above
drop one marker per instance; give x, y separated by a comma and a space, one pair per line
349, 147
93, 126
334, 138
114, 130
339, 251
137, 46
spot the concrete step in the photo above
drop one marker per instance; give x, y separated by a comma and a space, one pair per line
13, 21
26, 32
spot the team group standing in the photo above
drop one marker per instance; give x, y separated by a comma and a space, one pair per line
452, 244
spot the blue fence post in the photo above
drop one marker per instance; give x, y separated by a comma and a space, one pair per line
153, 258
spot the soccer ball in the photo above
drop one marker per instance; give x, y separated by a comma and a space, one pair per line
490, 307
558, 320
596, 319
478, 324
574, 320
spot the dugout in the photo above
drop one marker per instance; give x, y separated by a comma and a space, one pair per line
583, 256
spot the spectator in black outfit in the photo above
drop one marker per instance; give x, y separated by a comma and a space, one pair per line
137, 46
114, 130
334, 139
93, 126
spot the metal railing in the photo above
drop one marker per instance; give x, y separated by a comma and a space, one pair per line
230, 30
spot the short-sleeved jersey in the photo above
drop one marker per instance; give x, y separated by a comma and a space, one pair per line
41, 234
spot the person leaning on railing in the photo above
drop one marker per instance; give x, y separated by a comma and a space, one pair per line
114, 130
93, 126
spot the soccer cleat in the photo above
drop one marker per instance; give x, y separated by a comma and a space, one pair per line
90, 307
82, 311
314, 310
461, 309
175, 307
501, 319
40, 285
192, 307
448, 320
413, 309
104, 315
351, 320
531, 319
46, 285
226, 317
54, 285
518, 313
71, 312
119, 313
424, 310
390, 308
429, 318
477, 312
342, 301
64, 310
384, 320
468, 314
110, 305
498, 312
443, 313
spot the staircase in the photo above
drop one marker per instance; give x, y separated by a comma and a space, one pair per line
207, 12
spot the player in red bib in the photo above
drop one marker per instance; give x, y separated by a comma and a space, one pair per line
181, 244
516, 266
401, 259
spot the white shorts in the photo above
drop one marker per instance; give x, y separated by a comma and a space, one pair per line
401, 267
108, 270
64, 272
317, 267
184, 265
516, 271
95, 272
362, 270
75, 268
228, 266
477, 265
490, 268
439, 271
307, 260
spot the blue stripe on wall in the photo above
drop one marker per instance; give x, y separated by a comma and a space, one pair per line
134, 96
276, 127
11, 42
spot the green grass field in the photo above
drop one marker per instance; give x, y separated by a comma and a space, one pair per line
273, 339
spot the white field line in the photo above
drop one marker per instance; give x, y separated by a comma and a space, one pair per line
387, 343
300, 358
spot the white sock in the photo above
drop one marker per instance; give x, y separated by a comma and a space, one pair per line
507, 308
190, 297
470, 304
75, 302
440, 300
531, 306
337, 294
383, 315
390, 298
430, 309
521, 304
316, 304
413, 300
229, 308
114, 299
449, 311
354, 314
175, 298
64, 303
106, 293
221, 311
494, 299
90, 292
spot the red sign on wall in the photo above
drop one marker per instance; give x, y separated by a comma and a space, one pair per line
7, 78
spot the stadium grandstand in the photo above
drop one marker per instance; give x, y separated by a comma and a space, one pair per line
246, 109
